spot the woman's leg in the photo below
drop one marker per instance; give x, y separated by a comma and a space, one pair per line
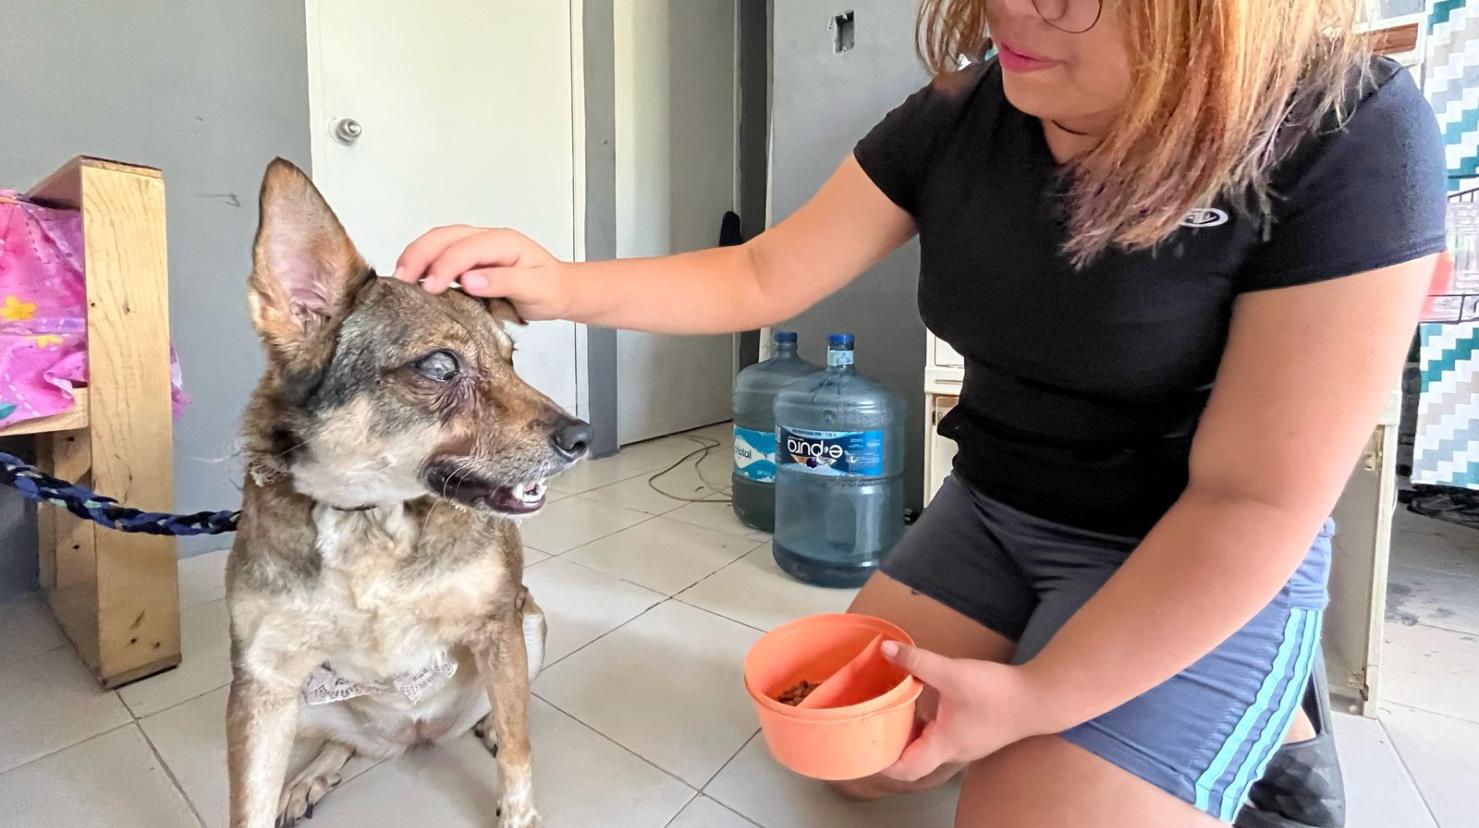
933, 626
1049, 782
1195, 743
956, 591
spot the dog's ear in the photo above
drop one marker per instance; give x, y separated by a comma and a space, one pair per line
304, 269
505, 312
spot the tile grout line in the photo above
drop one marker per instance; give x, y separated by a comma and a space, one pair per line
720, 616
691, 800
170, 773
48, 651
704, 791
744, 624
653, 470
701, 795
620, 746
650, 519
1433, 570
1428, 710
730, 760
732, 811
596, 571
681, 502
593, 729
646, 518
679, 597
681, 590
55, 751
582, 647
569, 494
139, 718
1407, 769
1470, 633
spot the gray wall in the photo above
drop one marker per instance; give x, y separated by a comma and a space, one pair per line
209, 91
821, 104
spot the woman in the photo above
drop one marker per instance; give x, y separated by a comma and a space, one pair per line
1118, 596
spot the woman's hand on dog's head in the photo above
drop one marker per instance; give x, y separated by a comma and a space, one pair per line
487, 262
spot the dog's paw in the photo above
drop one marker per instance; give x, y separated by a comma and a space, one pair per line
484, 731
302, 794
516, 803
518, 818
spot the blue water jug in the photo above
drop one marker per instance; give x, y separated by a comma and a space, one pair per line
839, 490
753, 480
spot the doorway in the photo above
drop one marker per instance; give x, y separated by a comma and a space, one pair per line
678, 171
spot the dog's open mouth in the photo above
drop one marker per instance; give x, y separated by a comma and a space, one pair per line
516, 499
525, 497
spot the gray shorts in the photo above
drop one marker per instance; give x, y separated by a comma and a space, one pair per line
1205, 735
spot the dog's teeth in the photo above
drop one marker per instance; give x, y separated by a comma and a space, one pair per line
530, 492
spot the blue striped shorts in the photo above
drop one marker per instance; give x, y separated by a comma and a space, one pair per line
1206, 734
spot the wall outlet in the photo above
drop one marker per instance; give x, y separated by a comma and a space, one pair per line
843, 34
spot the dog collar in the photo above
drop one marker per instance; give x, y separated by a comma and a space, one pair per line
325, 686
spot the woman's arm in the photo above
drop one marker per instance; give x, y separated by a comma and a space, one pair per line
1303, 380
846, 227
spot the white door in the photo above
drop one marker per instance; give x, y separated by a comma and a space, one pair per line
676, 175
466, 115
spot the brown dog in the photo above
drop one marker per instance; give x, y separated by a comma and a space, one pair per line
375, 586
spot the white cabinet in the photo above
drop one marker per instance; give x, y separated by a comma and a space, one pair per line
944, 373
939, 452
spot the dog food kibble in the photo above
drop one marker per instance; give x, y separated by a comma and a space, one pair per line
796, 694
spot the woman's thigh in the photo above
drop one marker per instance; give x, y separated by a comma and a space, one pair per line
1050, 782
956, 592
933, 626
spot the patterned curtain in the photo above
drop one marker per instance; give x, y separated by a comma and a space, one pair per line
1446, 448
1451, 80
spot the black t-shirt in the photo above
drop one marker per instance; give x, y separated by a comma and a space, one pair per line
1083, 388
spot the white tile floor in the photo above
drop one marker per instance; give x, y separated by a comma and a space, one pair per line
640, 719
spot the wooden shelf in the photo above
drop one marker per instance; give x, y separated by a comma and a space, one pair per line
66, 421
115, 594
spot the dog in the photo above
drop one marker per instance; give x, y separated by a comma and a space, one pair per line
375, 585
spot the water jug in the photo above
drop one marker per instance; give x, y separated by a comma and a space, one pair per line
839, 491
753, 480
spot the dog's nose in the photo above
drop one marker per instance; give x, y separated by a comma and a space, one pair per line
571, 437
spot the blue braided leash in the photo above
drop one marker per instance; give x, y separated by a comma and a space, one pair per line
34, 484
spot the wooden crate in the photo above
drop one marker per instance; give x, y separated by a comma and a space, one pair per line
115, 595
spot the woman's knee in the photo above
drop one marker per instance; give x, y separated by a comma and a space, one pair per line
1048, 781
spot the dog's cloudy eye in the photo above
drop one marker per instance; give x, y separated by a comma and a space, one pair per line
438, 366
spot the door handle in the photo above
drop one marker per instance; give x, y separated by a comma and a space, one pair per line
347, 130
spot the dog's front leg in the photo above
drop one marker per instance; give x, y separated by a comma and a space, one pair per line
261, 719
504, 662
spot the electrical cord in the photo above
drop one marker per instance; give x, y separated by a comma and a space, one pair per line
706, 448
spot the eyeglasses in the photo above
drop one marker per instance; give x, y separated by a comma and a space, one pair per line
1072, 16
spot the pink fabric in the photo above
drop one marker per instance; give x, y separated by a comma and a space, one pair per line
43, 313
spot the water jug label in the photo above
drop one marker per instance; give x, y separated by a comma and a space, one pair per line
754, 454
838, 358
831, 453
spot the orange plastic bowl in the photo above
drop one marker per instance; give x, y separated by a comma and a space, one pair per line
832, 743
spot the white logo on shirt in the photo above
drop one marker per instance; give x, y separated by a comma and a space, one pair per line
1204, 217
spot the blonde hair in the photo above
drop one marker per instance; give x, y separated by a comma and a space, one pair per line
1219, 87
